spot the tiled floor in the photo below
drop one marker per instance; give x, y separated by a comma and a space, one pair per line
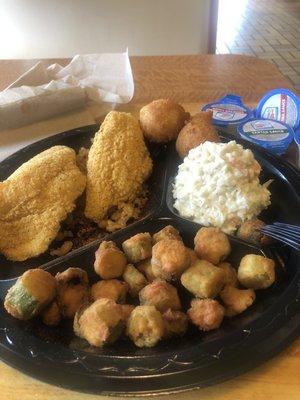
265, 28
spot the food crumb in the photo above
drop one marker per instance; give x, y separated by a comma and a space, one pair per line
63, 249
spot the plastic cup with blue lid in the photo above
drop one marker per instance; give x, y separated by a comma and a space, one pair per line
280, 105
273, 135
228, 112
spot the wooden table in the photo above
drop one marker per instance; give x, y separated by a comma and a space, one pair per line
192, 81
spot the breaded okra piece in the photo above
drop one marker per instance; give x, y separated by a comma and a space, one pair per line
32, 292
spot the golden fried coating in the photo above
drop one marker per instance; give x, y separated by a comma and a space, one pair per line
236, 300
110, 261
110, 289
203, 279
99, 323
206, 314
72, 290
135, 280
211, 244
126, 311
193, 255
32, 292
198, 130
145, 267
35, 199
168, 232
51, 315
230, 274
160, 294
138, 247
176, 323
170, 258
250, 231
145, 326
161, 120
256, 272
118, 164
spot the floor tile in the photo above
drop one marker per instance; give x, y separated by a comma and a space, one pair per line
269, 29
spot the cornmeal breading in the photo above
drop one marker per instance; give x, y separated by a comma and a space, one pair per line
118, 164
35, 199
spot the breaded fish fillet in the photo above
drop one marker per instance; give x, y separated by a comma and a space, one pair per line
35, 199
118, 164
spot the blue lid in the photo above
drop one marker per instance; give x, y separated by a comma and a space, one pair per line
229, 110
281, 105
297, 136
273, 135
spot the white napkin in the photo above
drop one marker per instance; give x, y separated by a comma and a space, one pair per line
48, 100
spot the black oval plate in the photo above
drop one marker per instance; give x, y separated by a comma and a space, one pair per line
196, 360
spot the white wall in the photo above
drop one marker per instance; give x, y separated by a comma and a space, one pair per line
61, 28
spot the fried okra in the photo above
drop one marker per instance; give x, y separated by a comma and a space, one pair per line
135, 280
176, 323
32, 292
160, 294
170, 258
236, 300
110, 261
230, 274
110, 289
72, 290
256, 272
126, 310
145, 267
100, 323
145, 326
161, 120
203, 279
212, 245
193, 255
206, 314
51, 315
138, 247
250, 231
168, 232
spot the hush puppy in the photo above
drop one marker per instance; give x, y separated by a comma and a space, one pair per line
203, 279
110, 289
170, 258
230, 274
135, 280
198, 130
250, 231
110, 261
236, 300
256, 272
145, 326
168, 232
176, 323
206, 314
138, 247
160, 294
212, 245
161, 120
72, 290
100, 323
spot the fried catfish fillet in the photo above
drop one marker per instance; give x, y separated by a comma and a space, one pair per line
118, 164
35, 199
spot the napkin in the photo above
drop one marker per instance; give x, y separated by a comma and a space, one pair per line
48, 100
